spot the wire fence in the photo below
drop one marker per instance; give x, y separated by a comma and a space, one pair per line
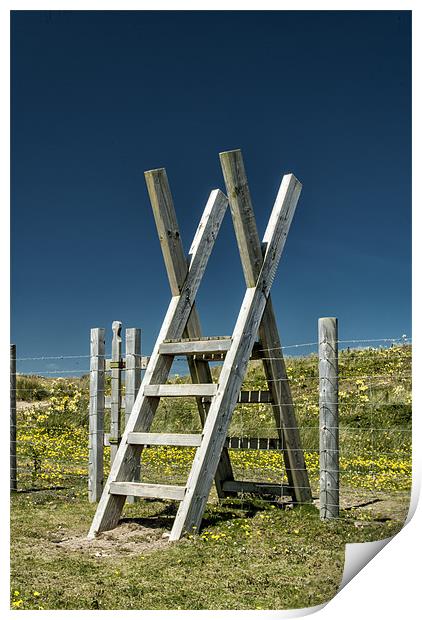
53, 438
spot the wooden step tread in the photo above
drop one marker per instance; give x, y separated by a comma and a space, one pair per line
254, 443
164, 439
201, 339
209, 346
181, 389
245, 397
140, 489
256, 488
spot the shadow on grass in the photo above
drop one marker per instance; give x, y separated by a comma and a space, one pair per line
39, 489
214, 515
363, 504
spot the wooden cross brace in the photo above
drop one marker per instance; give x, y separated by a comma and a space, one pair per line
211, 460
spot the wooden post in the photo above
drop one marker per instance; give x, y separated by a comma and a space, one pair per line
328, 416
116, 384
13, 472
96, 415
251, 256
133, 382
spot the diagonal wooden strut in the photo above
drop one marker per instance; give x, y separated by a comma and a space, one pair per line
174, 324
177, 268
274, 366
233, 371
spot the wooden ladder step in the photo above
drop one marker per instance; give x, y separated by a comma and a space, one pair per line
256, 488
179, 389
164, 439
140, 489
196, 347
255, 396
254, 443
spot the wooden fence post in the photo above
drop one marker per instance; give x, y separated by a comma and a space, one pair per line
13, 472
96, 415
132, 382
328, 416
116, 386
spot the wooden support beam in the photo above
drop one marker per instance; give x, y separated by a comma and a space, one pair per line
206, 459
274, 366
174, 324
258, 488
177, 266
245, 396
253, 443
254, 396
96, 415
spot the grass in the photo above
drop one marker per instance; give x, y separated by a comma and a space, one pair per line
249, 554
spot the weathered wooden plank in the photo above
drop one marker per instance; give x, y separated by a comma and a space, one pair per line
13, 468
164, 439
177, 269
185, 389
274, 366
328, 418
132, 383
201, 339
116, 389
193, 347
216, 425
167, 227
257, 353
253, 397
96, 415
209, 357
180, 307
137, 489
257, 488
233, 443
253, 443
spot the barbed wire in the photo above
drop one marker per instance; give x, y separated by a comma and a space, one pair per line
401, 340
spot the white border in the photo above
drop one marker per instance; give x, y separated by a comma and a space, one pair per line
389, 585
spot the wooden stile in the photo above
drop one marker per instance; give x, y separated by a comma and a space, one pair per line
181, 334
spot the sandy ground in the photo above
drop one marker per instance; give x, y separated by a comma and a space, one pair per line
126, 539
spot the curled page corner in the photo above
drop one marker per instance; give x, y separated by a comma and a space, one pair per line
358, 555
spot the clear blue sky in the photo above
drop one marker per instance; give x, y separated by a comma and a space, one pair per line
99, 97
